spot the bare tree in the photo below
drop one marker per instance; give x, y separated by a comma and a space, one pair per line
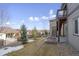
4, 17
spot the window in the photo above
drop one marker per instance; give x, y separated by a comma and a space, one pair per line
76, 26
9, 35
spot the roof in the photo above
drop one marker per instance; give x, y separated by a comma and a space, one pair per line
64, 6
8, 30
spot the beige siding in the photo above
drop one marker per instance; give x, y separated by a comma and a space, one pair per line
73, 40
53, 27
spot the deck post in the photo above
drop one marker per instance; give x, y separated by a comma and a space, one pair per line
58, 31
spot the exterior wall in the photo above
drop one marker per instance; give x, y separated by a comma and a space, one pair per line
71, 7
2, 36
65, 29
6, 41
10, 41
73, 10
53, 27
1, 43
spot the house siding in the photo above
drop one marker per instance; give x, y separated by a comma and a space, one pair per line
2, 36
53, 27
72, 7
66, 30
72, 39
7, 40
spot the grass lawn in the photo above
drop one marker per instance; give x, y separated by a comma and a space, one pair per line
40, 48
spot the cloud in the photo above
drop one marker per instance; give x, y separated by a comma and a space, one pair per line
44, 17
50, 16
31, 18
36, 18
50, 12
8, 23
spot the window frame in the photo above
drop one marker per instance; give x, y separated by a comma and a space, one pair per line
76, 18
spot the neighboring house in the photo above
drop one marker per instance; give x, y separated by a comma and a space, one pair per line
29, 33
52, 27
42, 32
8, 35
39, 32
52, 32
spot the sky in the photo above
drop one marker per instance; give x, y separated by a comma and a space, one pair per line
31, 14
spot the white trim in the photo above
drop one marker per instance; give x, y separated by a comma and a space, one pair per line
76, 34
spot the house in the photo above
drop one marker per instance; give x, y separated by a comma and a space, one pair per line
29, 33
62, 23
73, 24
58, 26
52, 32
43, 32
68, 17
8, 35
52, 27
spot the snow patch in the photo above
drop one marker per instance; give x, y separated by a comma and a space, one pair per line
30, 40
6, 50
